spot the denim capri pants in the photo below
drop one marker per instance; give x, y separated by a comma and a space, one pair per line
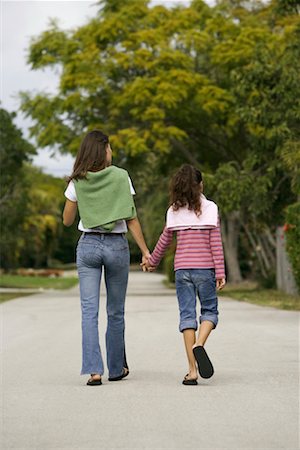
189, 284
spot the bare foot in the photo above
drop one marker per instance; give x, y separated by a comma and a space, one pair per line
95, 377
192, 374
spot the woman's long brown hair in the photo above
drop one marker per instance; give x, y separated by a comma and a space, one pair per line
91, 155
185, 189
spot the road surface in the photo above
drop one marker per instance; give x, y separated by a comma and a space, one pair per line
250, 403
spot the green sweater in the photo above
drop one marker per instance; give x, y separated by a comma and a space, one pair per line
104, 197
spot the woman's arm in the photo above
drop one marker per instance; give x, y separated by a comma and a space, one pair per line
69, 213
137, 234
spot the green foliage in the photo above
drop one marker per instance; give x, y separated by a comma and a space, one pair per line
113, 6
14, 152
31, 205
262, 296
14, 149
42, 56
153, 212
286, 7
66, 240
290, 155
44, 236
37, 282
215, 86
41, 222
4, 297
293, 238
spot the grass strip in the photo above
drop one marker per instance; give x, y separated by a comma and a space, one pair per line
19, 281
4, 297
250, 292
263, 297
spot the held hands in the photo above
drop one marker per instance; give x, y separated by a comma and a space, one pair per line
145, 264
220, 283
146, 267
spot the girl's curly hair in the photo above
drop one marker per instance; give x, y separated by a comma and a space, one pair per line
185, 189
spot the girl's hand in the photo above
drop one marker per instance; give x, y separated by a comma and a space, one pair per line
220, 283
146, 265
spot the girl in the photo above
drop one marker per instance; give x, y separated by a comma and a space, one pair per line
199, 264
103, 194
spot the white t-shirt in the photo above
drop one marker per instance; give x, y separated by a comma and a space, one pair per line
120, 227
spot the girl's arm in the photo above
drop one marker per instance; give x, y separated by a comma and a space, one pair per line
218, 255
69, 213
137, 234
161, 246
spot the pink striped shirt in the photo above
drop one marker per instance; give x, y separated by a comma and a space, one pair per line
195, 249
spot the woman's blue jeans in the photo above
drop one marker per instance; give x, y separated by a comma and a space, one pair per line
111, 252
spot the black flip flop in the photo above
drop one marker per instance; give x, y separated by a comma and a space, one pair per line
205, 366
189, 382
123, 375
94, 382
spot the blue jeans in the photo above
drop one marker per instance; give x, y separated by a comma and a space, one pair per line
93, 253
189, 283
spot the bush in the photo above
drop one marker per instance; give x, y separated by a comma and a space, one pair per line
268, 282
292, 231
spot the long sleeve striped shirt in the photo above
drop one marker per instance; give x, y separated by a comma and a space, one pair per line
195, 249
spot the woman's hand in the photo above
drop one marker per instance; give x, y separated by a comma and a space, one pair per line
145, 259
220, 283
145, 264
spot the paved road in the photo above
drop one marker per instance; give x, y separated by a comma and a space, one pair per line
250, 403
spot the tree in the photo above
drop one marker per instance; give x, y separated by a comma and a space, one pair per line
31, 205
212, 86
43, 231
14, 152
264, 81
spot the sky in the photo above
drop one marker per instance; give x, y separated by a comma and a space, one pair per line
19, 21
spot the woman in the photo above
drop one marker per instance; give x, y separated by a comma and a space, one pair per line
103, 195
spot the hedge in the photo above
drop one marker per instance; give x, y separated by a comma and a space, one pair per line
292, 232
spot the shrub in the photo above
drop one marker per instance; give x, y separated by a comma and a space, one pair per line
292, 231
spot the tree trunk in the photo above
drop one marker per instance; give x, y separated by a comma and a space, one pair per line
262, 245
256, 250
230, 233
